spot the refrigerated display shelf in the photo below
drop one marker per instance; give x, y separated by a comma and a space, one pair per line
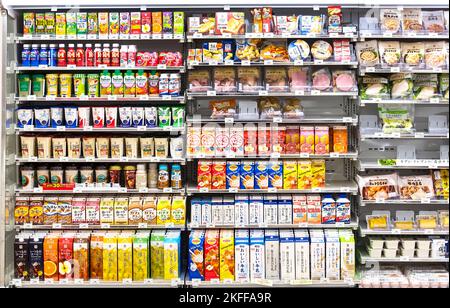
99, 227
279, 120
115, 99
404, 202
352, 225
63, 129
349, 155
417, 135
200, 36
94, 37
354, 64
363, 231
367, 260
426, 164
413, 35
431, 102
213, 94
150, 283
97, 190
100, 160
386, 70
97, 68
261, 283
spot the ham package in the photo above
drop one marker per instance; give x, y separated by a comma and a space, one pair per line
298, 78
344, 81
321, 80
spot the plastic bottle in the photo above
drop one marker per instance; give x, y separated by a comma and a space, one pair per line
343, 209
115, 55
174, 84
97, 54
79, 55
34, 55
131, 62
89, 55
163, 176
106, 55
141, 176
26, 50
124, 56
164, 85
71, 56
328, 210
52, 55
43, 55
152, 175
62, 55
175, 176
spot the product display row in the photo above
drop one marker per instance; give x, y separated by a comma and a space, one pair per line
153, 210
407, 220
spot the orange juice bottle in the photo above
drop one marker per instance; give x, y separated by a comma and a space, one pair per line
157, 22
51, 257
340, 139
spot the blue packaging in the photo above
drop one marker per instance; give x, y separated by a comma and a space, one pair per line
137, 116
26, 51
43, 55
34, 55
125, 115
71, 116
151, 116
196, 255
247, 174
42, 117
57, 116
53, 55
25, 117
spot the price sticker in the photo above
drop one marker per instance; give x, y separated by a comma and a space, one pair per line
433, 34
60, 128
229, 120
318, 61
142, 128
226, 35
370, 69
344, 189
233, 190
334, 34
204, 189
334, 154
27, 225
124, 36
145, 36
425, 200
161, 66
71, 66
317, 189
211, 93
213, 63
38, 190
340, 224
127, 281
82, 36
387, 34
396, 231
303, 225
64, 281
112, 97
178, 36
143, 190
299, 92
229, 62
50, 98
380, 200
105, 226
64, 159
78, 281
168, 190
275, 155
33, 159
285, 35
437, 69
315, 92
412, 34
269, 35
404, 259
245, 63
143, 97
94, 281
28, 128
277, 120
263, 93
429, 231
298, 62
395, 69
148, 281
268, 62
83, 97
434, 100
92, 36
83, 226
142, 225
198, 35
34, 281
49, 281
90, 159
263, 225
304, 155
272, 189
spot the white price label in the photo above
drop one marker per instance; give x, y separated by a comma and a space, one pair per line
334, 34
317, 189
387, 34
56, 225
49, 281
340, 224
213, 62
134, 36
105, 226
168, 190
269, 35
396, 231
285, 35
157, 36
142, 128
78, 281
28, 127
145, 36
304, 155
412, 34
64, 281
50, 98
404, 259
429, 231
311, 34
34, 281
142, 225
215, 281
161, 66
143, 190
277, 120
92, 36
316, 61
60, 128
178, 36
166, 98
64, 159
419, 135
434, 100
33, 159
315, 92
425, 200
334, 154
123, 190
347, 119
298, 62
370, 69
229, 62
211, 93
272, 189
83, 97
204, 189
94, 281
226, 35
143, 97
31, 97
112, 97
299, 92
87, 128
324, 280
38, 190
197, 35
233, 190
124, 36
83, 226
113, 36
275, 155
148, 281
268, 62
229, 120
245, 62
433, 34
27, 225
437, 69
124, 159
345, 189
395, 69
379, 200
263, 93
303, 225
263, 225
71, 66
127, 281
175, 282
81, 36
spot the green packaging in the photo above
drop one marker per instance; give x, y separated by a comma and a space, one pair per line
178, 22
40, 23
117, 83
105, 84
71, 23
29, 23
92, 23
164, 116
129, 81
24, 85
93, 85
50, 23
38, 85
82, 23
79, 84
177, 116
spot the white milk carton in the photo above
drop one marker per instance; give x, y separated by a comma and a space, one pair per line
299, 209
256, 210
241, 210
333, 255
217, 210
285, 209
317, 255
348, 267
271, 209
206, 211
228, 211
302, 260
196, 211
287, 255
242, 255
257, 256
272, 243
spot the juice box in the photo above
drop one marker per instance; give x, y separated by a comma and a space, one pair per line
167, 22
314, 209
275, 174
125, 23
50, 210
195, 258
321, 140
82, 23
257, 255
196, 211
121, 211
96, 256
247, 175
65, 210
135, 211
348, 266
107, 210
103, 24
302, 251
340, 139
71, 23
261, 174
250, 140
208, 140
114, 23
237, 140
272, 253
125, 256
21, 211
206, 204
227, 255
21, 258
332, 253
50, 23
194, 140
163, 211
140, 257
178, 210
178, 23
40, 23
290, 175
307, 139
36, 257
149, 212
217, 211
212, 256
292, 140
228, 211
172, 243
241, 209
81, 257
271, 209
242, 255
135, 18
157, 254
146, 23
285, 209
204, 176
287, 255
233, 174
256, 209
36, 210
78, 210
222, 141
65, 257
317, 257
29, 23
92, 23
299, 209
263, 140
218, 174
93, 210
278, 138
157, 23
110, 257
60, 24
318, 173
304, 174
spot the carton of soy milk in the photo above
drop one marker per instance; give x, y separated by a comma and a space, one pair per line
257, 255
242, 255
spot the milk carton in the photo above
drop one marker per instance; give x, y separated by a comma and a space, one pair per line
241, 210
228, 211
314, 209
272, 244
217, 211
302, 251
196, 211
332, 259
299, 209
285, 209
242, 255
257, 255
287, 255
227, 255
347, 241
271, 209
206, 211
317, 255
195, 257
256, 210
328, 210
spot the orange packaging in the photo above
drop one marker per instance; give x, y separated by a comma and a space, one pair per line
318, 173
304, 174
299, 209
103, 23
290, 176
141, 83
278, 135
321, 140
146, 22
156, 22
292, 140
250, 140
81, 257
218, 174
314, 209
51, 257
212, 256
340, 139
204, 174
257, 20
153, 84
96, 256
307, 139
65, 256
194, 142
208, 140
263, 140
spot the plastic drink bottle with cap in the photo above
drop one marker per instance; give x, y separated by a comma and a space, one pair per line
106, 55
71, 56
43, 55
131, 56
34, 55
97, 54
62, 55
174, 84
164, 85
89, 55
79, 55
124, 55
52, 55
26, 50
343, 209
328, 210
115, 55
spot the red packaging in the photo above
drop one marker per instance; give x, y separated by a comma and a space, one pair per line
97, 56
62, 61
278, 136
292, 140
267, 19
171, 58
219, 176
65, 257
89, 54
204, 174
135, 22
264, 140
250, 140
79, 56
106, 56
212, 256
115, 57
71, 56
147, 58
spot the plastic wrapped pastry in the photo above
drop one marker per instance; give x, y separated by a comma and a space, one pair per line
292, 109
275, 51
416, 187
223, 108
269, 107
433, 21
374, 187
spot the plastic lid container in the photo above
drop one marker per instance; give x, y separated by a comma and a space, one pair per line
129, 168
61, 45
115, 45
176, 167
106, 45
98, 45
141, 167
35, 46
52, 45
88, 45
163, 167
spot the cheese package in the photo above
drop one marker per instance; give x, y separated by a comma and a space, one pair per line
242, 255
256, 210
272, 254
302, 252
241, 208
257, 255
332, 248
271, 209
285, 209
227, 270
287, 255
212, 257
196, 268
230, 22
317, 255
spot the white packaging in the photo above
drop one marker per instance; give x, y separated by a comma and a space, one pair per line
217, 211
302, 260
242, 255
287, 255
241, 210
348, 263
332, 258
272, 244
437, 248
257, 256
285, 209
196, 211
256, 210
228, 211
271, 209
299, 209
206, 211
317, 256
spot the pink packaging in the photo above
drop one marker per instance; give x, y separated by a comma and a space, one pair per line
84, 116
194, 143
93, 210
171, 58
299, 209
307, 139
98, 116
125, 23
111, 117
78, 210
237, 140
322, 140
314, 209
147, 58
222, 140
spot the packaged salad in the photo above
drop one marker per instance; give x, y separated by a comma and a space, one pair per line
401, 85
396, 118
443, 86
425, 86
374, 87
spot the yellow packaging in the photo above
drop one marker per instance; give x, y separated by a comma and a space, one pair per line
107, 210
125, 256
157, 254
140, 257
172, 243
65, 85
304, 174
290, 174
163, 211
227, 255
178, 211
318, 173
110, 257
121, 211
60, 24
52, 84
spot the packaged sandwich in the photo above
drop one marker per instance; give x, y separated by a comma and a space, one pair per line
275, 51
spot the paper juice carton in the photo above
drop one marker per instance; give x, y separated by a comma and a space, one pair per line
157, 22
272, 254
242, 255
121, 211
217, 211
212, 257
172, 247
36, 211
307, 139
314, 209
347, 241
194, 141
317, 256
290, 174
304, 174
65, 257
157, 254
271, 209
110, 257
247, 174
103, 24
204, 174
178, 210
71, 23
36, 257
78, 210
240, 204
299, 209
107, 210
233, 174
21, 210
178, 23
263, 140
292, 140
124, 23
50, 210
125, 257
222, 141
328, 210
135, 20
149, 211
250, 140
318, 173
206, 205
332, 255
343, 209
257, 255
146, 22
261, 174
287, 255
51, 257
135, 211
285, 209
82, 23
96, 256
302, 251
163, 210
275, 174
236, 140
21, 258
227, 270
60, 24
92, 23
340, 139
228, 211
81, 257
256, 210
278, 137
196, 266
218, 174
141, 257
321, 140
196, 211
208, 140
114, 23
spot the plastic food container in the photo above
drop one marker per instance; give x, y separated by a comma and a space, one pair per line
407, 253
408, 244
374, 253
389, 253
391, 242
376, 242
422, 253
423, 244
